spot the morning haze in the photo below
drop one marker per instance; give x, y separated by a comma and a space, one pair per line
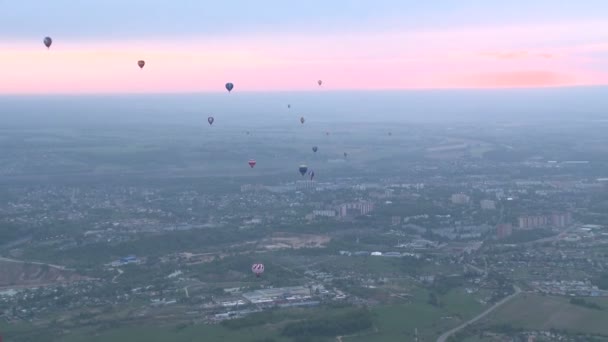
255, 109
313, 171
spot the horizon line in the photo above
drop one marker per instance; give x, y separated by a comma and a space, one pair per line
308, 91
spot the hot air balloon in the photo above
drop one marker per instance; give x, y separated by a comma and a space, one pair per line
257, 269
229, 86
141, 63
210, 120
303, 168
315, 148
320, 82
252, 163
47, 42
288, 106
345, 154
302, 120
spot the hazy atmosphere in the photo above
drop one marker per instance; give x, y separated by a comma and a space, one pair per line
317, 171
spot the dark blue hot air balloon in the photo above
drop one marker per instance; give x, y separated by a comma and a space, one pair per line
47, 42
229, 86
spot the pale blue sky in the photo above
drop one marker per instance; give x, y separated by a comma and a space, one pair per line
127, 19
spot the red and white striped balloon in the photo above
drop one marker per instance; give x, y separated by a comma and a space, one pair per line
257, 269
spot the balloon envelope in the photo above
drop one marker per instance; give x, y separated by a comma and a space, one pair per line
210, 120
229, 86
47, 42
320, 82
303, 169
252, 163
257, 269
141, 63
315, 148
302, 120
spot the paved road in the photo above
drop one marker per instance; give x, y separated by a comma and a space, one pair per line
449, 333
59, 267
120, 272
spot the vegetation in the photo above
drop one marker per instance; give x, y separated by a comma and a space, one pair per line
602, 281
341, 324
521, 236
584, 303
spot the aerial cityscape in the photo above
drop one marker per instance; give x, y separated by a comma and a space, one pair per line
304, 172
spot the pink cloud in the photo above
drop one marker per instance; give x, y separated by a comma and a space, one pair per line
517, 54
534, 78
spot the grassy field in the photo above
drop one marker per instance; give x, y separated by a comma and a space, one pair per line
398, 322
391, 323
188, 334
530, 311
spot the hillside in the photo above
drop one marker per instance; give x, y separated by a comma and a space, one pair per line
14, 274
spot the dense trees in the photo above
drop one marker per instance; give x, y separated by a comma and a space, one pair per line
341, 324
602, 281
584, 303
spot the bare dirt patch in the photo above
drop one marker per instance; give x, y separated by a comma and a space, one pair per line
22, 274
292, 241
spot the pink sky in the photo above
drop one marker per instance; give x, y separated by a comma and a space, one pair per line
566, 54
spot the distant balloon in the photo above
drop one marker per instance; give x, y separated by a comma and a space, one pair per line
320, 82
302, 120
252, 163
288, 106
345, 154
47, 42
315, 148
229, 86
210, 120
257, 269
303, 168
141, 63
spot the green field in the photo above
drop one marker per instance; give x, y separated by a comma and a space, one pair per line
398, 322
192, 333
390, 323
530, 311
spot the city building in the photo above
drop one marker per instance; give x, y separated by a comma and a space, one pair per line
396, 220
324, 213
355, 209
487, 204
533, 221
559, 220
460, 199
305, 185
252, 187
504, 230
